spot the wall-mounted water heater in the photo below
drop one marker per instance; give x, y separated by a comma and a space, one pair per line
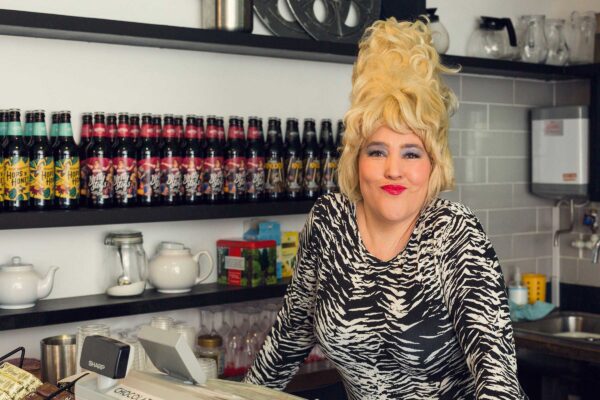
559, 152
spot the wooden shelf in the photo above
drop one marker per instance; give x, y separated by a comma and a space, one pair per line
84, 308
52, 26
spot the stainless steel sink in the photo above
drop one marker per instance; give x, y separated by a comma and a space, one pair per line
567, 325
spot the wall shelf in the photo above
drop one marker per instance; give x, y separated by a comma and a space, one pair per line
83, 308
52, 26
86, 216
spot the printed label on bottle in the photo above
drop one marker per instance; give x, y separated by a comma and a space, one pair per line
212, 132
212, 176
312, 173
66, 178
191, 171
330, 165
169, 131
41, 172
100, 178
253, 133
125, 178
1, 179
134, 131
148, 177
170, 176
85, 172
123, 131
16, 178
294, 174
255, 175
100, 130
235, 175
191, 132
86, 131
274, 178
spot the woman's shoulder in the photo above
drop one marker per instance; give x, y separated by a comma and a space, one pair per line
331, 206
451, 213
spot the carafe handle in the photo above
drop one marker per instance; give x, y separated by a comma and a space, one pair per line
210, 260
512, 35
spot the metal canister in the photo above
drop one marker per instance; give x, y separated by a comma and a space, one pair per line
228, 15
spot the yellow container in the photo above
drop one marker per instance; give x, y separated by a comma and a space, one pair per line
536, 285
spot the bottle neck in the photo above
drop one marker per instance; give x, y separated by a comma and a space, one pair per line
39, 129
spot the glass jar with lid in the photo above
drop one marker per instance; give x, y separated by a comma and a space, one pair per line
211, 346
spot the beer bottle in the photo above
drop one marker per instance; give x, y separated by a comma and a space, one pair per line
191, 165
311, 161
41, 165
148, 163
255, 161
28, 132
3, 138
178, 123
339, 140
221, 131
99, 162
16, 165
157, 123
329, 159
66, 165
3, 123
134, 127
87, 128
212, 174
125, 164
293, 160
170, 164
54, 128
200, 130
235, 162
111, 127
274, 185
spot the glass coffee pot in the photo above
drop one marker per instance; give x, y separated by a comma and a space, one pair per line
535, 47
439, 34
490, 39
126, 263
558, 51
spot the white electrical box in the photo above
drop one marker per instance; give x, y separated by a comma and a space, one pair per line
559, 152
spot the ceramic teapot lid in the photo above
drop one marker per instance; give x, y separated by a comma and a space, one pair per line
16, 263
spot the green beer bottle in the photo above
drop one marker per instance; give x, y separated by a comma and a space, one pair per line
41, 165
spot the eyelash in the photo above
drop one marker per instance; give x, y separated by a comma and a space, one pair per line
411, 155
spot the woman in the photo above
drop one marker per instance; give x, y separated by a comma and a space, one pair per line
401, 289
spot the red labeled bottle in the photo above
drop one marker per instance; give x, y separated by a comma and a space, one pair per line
212, 172
274, 175
111, 127
170, 164
100, 166
148, 164
134, 127
235, 162
200, 131
87, 128
125, 164
178, 122
255, 161
157, 123
191, 164
221, 130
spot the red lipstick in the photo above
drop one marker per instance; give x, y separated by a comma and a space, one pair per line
394, 190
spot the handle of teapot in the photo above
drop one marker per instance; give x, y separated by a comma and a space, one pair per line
196, 258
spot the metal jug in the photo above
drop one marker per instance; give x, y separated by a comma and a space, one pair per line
228, 15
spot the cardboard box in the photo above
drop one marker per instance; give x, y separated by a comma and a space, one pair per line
246, 262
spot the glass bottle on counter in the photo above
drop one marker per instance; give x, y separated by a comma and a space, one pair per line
235, 162
170, 163
178, 124
213, 175
200, 131
293, 160
191, 164
274, 184
221, 131
211, 346
255, 161
125, 164
66, 165
329, 159
157, 123
16, 165
3, 126
87, 128
311, 161
148, 164
41, 165
99, 162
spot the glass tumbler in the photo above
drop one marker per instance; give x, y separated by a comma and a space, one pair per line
535, 47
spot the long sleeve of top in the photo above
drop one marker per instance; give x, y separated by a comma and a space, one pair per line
431, 323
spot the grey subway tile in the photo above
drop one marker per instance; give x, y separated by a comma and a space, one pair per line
502, 222
508, 170
453, 82
522, 197
544, 220
510, 118
486, 196
482, 217
503, 246
470, 170
588, 273
452, 195
454, 143
470, 116
508, 270
526, 266
485, 143
566, 250
487, 89
573, 93
534, 93
544, 266
568, 270
532, 245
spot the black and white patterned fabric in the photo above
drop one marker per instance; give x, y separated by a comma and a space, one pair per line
432, 323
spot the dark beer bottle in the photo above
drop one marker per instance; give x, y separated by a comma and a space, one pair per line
134, 127
255, 161
235, 162
221, 130
3, 126
111, 127
99, 162
311, 161
16, 165
3, 138
125, 164
148, 163
28, 130
274, 184
178, 123
339, 140
54, 127
191, 165
66, 165
293, 160
41, 166
212, 174
200, 130
329, 159
157, 123
170, 164
87, 128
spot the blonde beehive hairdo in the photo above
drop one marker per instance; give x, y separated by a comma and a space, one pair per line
396, 82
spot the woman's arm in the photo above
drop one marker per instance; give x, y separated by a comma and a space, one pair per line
291, 338
475, 294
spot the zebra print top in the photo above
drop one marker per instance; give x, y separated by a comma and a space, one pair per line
432, 323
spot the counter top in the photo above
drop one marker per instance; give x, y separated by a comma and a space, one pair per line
577, 350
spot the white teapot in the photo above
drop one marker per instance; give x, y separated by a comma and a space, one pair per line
174, 270
21, 286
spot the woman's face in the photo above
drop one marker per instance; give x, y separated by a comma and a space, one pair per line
394, 169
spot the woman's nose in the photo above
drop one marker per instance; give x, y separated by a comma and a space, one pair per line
393, 167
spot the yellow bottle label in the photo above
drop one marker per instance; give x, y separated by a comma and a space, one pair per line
67, 177
16, 179
42, 178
